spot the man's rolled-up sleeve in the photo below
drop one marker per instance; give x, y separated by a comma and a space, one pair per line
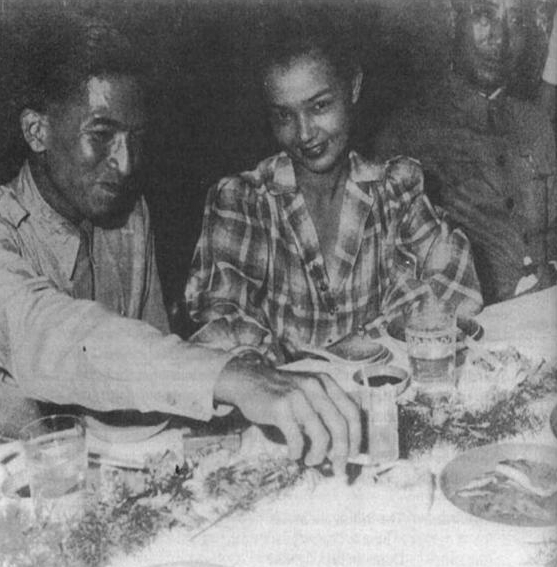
70, 351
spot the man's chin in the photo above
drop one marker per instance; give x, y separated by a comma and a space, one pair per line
113, 217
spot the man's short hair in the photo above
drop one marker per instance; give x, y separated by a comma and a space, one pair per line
65, 50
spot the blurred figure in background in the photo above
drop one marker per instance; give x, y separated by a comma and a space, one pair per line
548, 87
489, 158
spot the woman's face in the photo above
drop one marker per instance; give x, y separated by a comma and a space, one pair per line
310, 111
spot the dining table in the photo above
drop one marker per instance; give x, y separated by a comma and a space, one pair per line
297, 516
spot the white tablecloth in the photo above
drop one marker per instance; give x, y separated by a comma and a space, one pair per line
372, 525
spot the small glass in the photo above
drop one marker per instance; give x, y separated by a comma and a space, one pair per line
56, 459
380, 422
431, 344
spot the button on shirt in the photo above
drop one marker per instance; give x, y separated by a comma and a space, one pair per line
57, 345
258, 276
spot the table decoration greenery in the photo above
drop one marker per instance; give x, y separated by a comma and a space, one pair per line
129, 509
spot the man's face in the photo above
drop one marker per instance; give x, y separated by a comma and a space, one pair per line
93, 148
491, 37
310, 112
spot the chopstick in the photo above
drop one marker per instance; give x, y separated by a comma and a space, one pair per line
98, 459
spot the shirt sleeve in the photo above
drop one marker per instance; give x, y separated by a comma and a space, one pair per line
228, 271
426, 255
71, 351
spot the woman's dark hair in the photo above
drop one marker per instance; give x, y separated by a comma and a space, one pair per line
289, 34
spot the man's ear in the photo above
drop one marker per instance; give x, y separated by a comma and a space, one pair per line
357, 85
34, 126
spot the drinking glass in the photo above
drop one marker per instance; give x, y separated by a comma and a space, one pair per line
431, 344
56, 459
380, 422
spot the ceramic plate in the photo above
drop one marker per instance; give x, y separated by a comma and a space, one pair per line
359, 349
187, 564
476, 462
553, 421
125, 426
466, 327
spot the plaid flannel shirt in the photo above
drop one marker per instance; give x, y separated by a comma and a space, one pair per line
258, 276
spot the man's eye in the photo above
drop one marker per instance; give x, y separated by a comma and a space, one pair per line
517, 21
482, 15
102, 135
321, 105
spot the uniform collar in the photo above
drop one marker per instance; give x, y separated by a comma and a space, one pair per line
476, 105
61, 235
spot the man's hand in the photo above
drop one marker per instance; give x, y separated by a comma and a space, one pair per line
298, 404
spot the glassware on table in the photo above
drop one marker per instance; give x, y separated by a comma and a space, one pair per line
430, 333
380, 419
56, 460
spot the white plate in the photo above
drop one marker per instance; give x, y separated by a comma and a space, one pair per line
472, 464
187, 564
124, 427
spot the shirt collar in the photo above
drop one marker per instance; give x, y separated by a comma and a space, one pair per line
61, 235
472, 102
283, 179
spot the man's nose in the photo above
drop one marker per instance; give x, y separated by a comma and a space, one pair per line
498, 33
121, 157
305, 128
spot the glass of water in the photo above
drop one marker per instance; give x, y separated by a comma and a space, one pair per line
56, 459
431, 344
379, 412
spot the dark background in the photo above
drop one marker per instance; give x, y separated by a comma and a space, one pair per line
208, 120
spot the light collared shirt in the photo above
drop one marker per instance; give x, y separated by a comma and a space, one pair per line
259, 278
107, 354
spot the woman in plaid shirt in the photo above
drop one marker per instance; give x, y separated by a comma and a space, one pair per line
317, 242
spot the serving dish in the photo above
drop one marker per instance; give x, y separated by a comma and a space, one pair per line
473, 465
467, 328
125, 426
353, 349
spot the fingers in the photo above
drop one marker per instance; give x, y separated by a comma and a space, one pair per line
291, 430
334, 426
349, 410
296, 418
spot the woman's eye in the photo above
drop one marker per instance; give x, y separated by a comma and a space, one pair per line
281, 116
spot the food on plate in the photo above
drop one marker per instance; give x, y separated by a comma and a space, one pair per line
521, 492
484, 378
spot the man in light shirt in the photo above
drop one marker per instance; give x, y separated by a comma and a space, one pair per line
81, 313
